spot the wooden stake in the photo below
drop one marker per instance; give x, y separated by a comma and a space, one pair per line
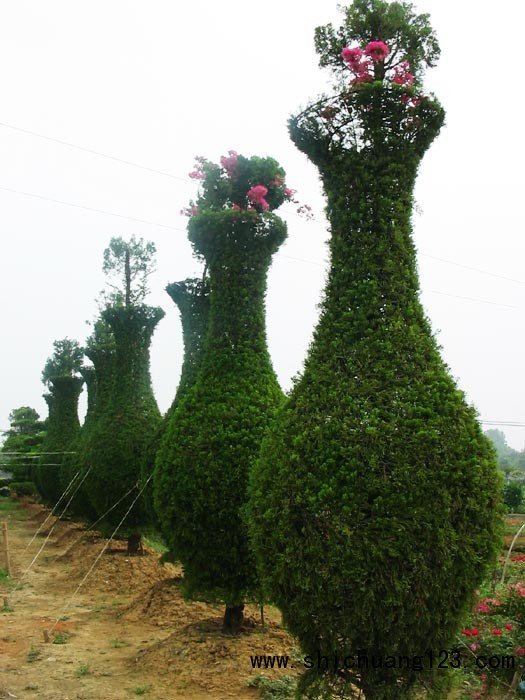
6, 548
47, 639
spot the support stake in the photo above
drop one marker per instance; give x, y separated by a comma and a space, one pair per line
6, 548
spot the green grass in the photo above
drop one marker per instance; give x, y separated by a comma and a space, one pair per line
141, 689
278, 689
61, 638
4, 576
33, 654
82, 670
11, 509
153, 541
118, 643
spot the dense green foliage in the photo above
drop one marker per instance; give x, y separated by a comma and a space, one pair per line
61, 376
192, 297
513, 496
214, 434
125, 413
22, 443
375, 503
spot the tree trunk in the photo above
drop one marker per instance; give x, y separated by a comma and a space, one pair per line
233, 619
135, 543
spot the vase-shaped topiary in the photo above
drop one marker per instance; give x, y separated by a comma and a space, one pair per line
214, 434
375, 504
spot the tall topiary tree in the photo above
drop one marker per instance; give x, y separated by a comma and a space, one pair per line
126, 412
192, 297
375, 503
61, 376
214, 434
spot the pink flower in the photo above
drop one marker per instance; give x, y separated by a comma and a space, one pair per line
475, 646
377, 50
520, 651
236, 207
508, 626
229, 163
306, 211
289, 193
278, 180
352, 56
197, 174
257, 195
402, 75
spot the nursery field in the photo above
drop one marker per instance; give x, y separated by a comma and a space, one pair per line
127, 632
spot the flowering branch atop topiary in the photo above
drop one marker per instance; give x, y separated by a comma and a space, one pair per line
241, 184
362, 63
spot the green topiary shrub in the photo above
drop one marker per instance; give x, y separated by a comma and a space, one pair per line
23, 488
118, 437
214, 433
60, 374
192, 297
375, 505
125, 414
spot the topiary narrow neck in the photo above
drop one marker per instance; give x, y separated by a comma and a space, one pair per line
238, 247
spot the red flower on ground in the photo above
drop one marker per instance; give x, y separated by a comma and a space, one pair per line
496, 631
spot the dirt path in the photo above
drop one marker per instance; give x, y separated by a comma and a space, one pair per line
127, 632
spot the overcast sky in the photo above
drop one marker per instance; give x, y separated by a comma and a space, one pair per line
156, 83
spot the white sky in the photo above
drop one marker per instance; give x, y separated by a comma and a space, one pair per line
158, 82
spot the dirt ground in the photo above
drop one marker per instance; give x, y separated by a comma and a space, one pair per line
125, 632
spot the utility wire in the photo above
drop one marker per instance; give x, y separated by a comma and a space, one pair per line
96, 153
188, 181
86, 208
66, 606
176, 228
69, 486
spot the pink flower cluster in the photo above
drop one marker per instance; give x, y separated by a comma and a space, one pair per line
361, 63
257, 198
229, 163
257, 194
484, 606
198, 171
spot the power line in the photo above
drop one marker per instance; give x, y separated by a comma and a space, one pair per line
475, 269
176, 228
188, 181
86, 208
481, 301
96, 153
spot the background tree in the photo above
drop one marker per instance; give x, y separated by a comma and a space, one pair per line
129, 265
213, 436
508, 458
375, 505
513, 496
22, 443
61, 376
127, 415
